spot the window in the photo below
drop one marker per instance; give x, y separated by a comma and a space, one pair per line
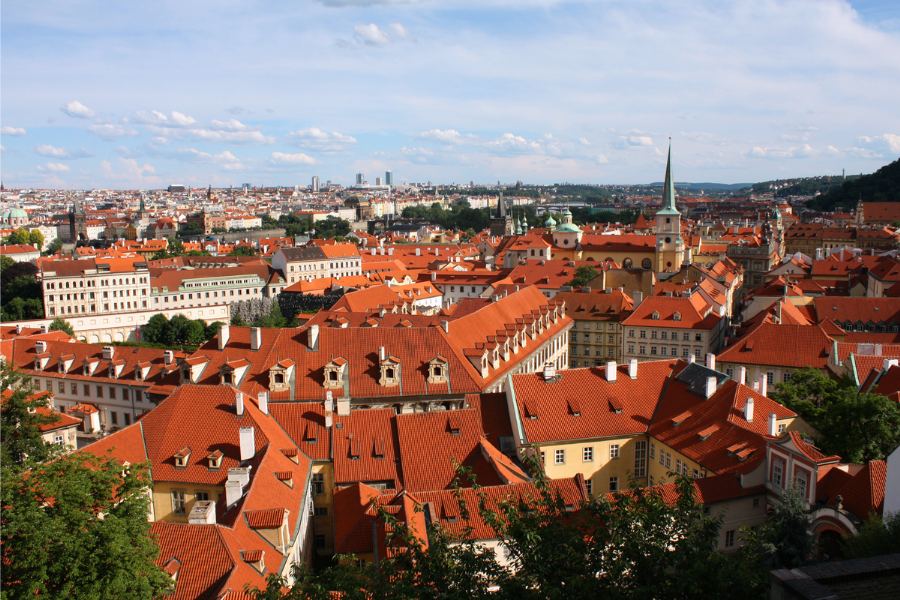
729, 538
114, 417
318, 483
613, 484
320, 511
178, 502
543, 457
201, 496
781, 428
678, 466
668, 460
777, 473
652, 451
589, 484
613, 451
640, 458
559, 457
770, 377
59, 439
801, 482
587, 454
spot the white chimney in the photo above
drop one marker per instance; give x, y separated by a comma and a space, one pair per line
763, 384
445, 325
40, 346
168, 357
711, 361
343, 407
632, 368
224, 334
418, 252
888, 363
742, 375
248, 443
748, 410
108, 352
233, 492
434, 275
638, 297
549, 371
611, 370
772, 426
710, 386
381, 353
262, 400
239, 403
255, 338
203, 513
313, 333
692, 359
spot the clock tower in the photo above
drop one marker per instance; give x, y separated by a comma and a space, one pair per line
669, 243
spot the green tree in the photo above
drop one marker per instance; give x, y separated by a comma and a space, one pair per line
36, 238
19, 236
876, 536
242, 251
583, 276
855, 425
155, 330
76, 527
59, 324
54, 247
19, 422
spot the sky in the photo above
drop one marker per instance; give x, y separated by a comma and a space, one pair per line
223, 92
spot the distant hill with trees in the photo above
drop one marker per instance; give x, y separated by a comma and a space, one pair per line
881, 186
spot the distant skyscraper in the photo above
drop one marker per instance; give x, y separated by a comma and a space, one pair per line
388, 178
315, 184
378, 181
359, 179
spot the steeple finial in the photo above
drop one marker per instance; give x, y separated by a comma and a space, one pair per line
668, 203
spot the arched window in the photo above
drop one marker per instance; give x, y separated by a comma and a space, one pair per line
646, 263
626, 264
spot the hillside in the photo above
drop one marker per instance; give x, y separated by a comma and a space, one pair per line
801, 186
881, 186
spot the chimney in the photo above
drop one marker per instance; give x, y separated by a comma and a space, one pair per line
233, 492
692, 359
763, 384
168, 357
742, 375
638, 297
710, 386
549, 371
108, 352
239, 403
381, 353
445, 325
40, 346
255, 338
248, 443
772, 427
203, 513
711, 361
434, 275
313, 333
748, 410
611, 370
224, 334
632, 368
888, 363
262, 400
418, 252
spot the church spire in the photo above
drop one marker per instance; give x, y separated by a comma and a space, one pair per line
668, 204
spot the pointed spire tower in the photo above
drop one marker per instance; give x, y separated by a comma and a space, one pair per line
669, 243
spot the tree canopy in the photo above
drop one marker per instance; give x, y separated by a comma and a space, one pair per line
59, 324
177, 331
583, 276
855, 425
21, 291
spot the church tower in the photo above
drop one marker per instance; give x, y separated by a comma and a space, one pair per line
502, 222
669, 243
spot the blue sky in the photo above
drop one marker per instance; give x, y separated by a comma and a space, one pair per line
272, 92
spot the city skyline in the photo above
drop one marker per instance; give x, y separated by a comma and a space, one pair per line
540, 91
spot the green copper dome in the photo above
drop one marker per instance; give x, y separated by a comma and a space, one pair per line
568, 228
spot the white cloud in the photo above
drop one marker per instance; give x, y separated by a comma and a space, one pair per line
321, 140
399, 31
447, 136
516, 143
52, 167
886, 142
53, 151
633, 141
296, 158
226, 159
584, 141
130, 172
371, 35
601, 159
161, 119
241, 137
76, 109
110, 131
802, 151
13, 131
229, 125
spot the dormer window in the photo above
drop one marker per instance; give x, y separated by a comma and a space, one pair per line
214, 459
438, 370
278, 377
453, 425
182, 457
655, 315
390, 371
334, 373
676, 316
227, 376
